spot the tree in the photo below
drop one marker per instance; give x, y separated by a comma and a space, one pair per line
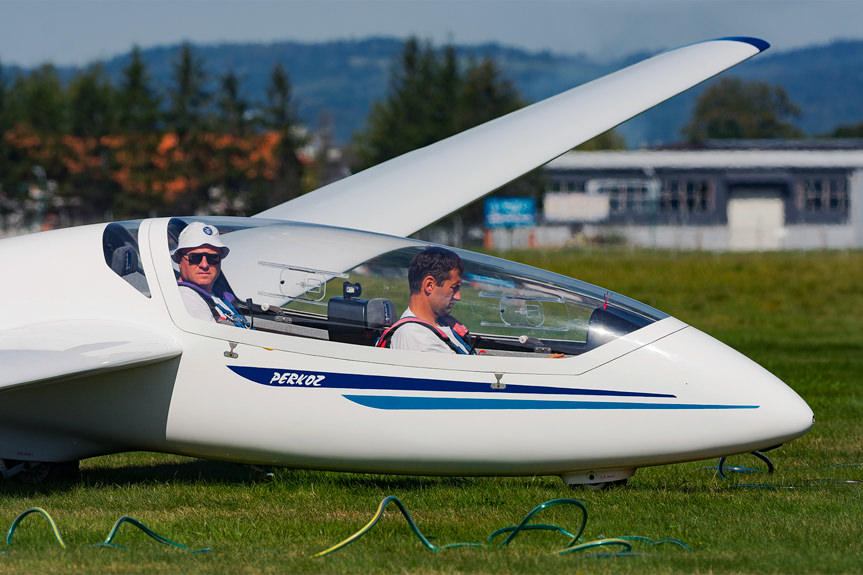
5, 116
139, 121
432, 95
233, 108
485, 95
91, 104
37, 100
37, 104
189, 101
847, 131
280, 116
90, 99
444, 94
737, 109
231, 145
8, 163
404, 121
188, 98
137, 103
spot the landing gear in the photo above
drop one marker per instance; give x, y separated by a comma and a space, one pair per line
601, 486
599, 479
36, 472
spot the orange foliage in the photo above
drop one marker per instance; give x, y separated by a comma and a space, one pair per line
162, 167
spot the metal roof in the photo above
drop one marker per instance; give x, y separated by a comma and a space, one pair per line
712, 159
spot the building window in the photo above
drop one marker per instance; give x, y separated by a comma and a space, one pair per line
563, 185
687, 196
625, 196
822, 196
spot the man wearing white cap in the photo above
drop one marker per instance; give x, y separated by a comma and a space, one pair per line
199, 253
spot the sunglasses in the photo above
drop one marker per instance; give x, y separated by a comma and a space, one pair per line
195, 258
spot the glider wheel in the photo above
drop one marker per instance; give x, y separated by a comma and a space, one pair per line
602, 486
38, 472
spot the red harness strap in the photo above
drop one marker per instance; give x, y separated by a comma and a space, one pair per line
385, 339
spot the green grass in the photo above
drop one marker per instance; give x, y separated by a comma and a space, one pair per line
798, 314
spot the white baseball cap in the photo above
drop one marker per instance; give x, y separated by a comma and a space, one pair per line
198, 234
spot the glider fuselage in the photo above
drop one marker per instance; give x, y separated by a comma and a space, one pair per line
105, 367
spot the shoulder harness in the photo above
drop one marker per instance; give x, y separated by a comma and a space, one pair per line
461, 332
227, 314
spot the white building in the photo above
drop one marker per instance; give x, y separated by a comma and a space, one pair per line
741, 198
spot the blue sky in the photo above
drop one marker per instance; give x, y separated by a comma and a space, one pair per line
81, 31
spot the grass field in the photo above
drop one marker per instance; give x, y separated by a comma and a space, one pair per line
798, 314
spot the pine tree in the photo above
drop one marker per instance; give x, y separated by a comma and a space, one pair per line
91, 113
280, 116
189, 102
139, 133
433, 95
231, 145
38, 101
137, 102
7, 160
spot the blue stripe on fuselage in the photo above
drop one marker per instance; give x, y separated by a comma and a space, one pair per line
458, 403
267, 376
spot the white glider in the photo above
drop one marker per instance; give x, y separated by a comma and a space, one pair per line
100, 355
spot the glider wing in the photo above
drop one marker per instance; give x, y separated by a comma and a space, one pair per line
407, 193
65, 349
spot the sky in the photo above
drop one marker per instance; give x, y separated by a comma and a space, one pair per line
79, 32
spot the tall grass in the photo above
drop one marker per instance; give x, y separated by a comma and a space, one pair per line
798, 314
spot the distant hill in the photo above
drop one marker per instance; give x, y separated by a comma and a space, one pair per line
342, 79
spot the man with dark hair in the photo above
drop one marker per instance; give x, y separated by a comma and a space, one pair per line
434, 278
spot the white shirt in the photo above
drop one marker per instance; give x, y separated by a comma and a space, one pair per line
195, 304
420, 338
198, 307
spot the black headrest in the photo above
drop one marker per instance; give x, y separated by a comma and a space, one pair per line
361, 321
124, 260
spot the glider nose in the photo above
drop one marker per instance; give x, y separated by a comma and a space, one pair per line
785, 414
738, 400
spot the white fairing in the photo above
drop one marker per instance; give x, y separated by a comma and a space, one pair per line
412, 191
